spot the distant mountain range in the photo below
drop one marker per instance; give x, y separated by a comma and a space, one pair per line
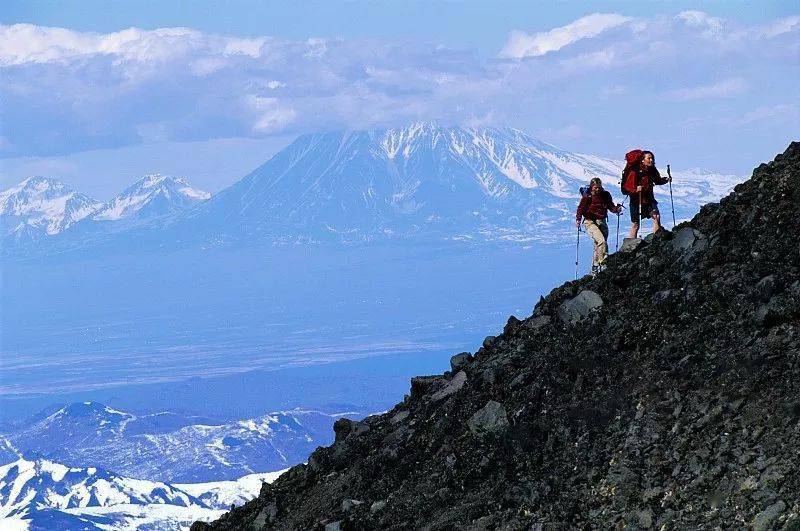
424, 181
42, 494
167, 446
41, 208
89, 466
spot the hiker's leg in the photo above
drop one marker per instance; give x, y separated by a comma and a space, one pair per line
604, 247
656, 222
634, 211
599, 241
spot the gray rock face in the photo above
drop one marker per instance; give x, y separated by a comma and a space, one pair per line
579, 307
453, 386
489, 419
629, 245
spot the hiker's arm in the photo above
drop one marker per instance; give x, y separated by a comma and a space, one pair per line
658, 179
584, 203
610, 204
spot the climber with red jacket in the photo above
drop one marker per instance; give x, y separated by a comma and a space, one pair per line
593, 208
639, 177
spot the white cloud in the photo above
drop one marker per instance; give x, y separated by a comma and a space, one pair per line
721, 89
710, 26
271, 116
64, 91
521, 44
780, 27
26, 43
781, 113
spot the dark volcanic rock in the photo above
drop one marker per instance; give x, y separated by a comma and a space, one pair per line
674, 405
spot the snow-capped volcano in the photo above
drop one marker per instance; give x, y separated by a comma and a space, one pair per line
151, 196
39, 206
423, 179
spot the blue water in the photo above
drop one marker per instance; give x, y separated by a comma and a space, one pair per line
170, 325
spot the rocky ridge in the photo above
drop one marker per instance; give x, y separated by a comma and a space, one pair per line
663, 393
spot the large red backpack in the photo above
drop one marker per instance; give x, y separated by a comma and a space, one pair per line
632, 160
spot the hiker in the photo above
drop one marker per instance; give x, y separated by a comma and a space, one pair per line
640, 175
593, 209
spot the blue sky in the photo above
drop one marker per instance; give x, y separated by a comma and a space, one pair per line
208, 90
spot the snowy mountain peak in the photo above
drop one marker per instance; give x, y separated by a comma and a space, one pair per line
44, 494
41, 483
423, 178
40, 206
152, 195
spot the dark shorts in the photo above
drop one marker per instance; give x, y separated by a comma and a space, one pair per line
647, 210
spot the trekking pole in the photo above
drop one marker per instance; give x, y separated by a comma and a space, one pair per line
671, 202
577, 250
618, 216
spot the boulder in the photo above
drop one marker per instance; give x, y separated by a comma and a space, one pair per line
766, 518
452, 386
579, 307
629, 245
688, 241
459, 361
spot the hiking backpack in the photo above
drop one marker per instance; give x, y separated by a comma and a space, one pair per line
632, 159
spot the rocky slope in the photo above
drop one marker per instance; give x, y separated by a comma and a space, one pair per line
663, 393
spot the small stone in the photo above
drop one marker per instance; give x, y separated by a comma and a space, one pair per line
645, 518
490, 418
377, 506
266, 515
348, 504
334, 526
766, 287
538, 322
399, 417
767, 517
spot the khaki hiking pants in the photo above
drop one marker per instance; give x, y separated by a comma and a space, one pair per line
598, 230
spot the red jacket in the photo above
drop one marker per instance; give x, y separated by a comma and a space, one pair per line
596, 206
